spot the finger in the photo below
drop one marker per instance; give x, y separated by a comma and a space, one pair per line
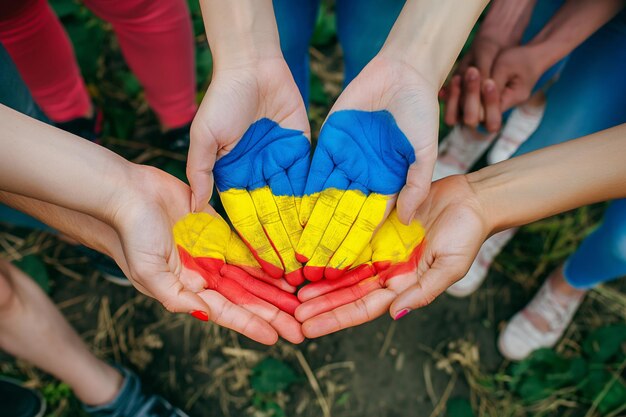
335, 299
512, 97
471, 100
342, 220
316, 289
286, 326
268, 213
437, 278
465, 62
491, 102
374, 211
322, 214
418, 182
200, 163
287, 302
237, 318
452, 103
242, 213
322, 167
358, 312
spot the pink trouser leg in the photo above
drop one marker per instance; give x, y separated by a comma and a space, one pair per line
157, 41
43, 54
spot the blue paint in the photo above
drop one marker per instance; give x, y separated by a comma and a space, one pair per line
360, 150
267, 154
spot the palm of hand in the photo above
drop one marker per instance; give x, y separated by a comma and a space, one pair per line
254, 122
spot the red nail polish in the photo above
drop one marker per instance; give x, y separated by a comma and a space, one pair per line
402, 313
200, 315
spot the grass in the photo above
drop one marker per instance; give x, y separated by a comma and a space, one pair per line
211, 371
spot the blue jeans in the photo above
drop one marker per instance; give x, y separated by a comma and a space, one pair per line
590, 96
14, 94
362, 28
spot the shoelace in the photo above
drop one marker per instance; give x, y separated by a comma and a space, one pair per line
547, 306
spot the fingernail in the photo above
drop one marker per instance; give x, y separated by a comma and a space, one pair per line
489, 87
472, 75
200, 315
402, 313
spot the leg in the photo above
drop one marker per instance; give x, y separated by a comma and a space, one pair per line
601, 256
296, 21
28, 318
42, 52
157, 41
362, 28
589, 95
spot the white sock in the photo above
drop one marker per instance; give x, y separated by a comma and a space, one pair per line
522, 122
459, 150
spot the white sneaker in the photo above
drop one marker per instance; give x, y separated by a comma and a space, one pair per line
520, 337
522, 122
459, 150
480, 267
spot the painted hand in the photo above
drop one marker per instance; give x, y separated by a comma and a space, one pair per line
455, 228
222, 268
153, 262
379, 140
388, 267
253, 121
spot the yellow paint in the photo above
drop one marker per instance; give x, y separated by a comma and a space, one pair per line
370, 217
395, 242
340, 226
242, 212
205, 236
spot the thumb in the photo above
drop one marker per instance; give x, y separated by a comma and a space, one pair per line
417, 185
437, 278
200, 163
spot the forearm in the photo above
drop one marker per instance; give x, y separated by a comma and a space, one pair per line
87, 230
240, 32
429, 34
574, 22
553, 180
46, 163
506, 20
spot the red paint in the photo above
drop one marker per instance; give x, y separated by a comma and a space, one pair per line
200, 315
237, 285
314, 273
334, 273
301, 258
295, 278
272, 270
322, 287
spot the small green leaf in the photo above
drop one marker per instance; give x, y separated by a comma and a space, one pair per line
129, 83
272, 375
459, 407
605, 343
33, 266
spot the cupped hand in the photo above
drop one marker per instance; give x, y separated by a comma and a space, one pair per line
252, 133
162, 266
379, 140
455, 228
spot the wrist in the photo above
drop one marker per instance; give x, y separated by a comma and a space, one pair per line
485, 187
240, 33
506, 21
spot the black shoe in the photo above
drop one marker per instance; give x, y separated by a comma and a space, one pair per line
87, 128
178, 139
106, 266
131, 401
17, 401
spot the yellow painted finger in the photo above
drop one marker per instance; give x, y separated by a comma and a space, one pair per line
202, 235
369, 218
307, 203
268, 214
395, 242
342, 221
316, 226
242, 213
